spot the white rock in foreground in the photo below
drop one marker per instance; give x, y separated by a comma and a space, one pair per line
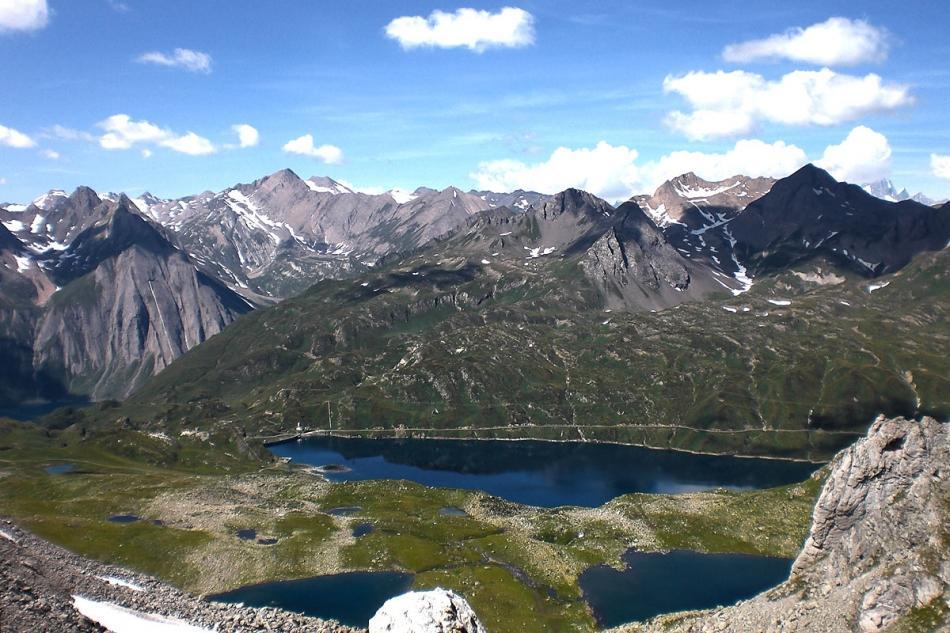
436, 611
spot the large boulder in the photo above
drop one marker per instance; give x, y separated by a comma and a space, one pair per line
436, 611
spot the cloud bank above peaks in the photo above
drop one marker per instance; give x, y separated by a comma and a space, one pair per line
837, 41
614, 173
465, 28
736, 103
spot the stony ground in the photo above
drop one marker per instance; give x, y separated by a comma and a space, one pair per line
38, 581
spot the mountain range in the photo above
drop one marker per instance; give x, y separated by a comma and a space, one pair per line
101, 293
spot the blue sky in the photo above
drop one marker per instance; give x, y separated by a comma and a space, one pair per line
589, 73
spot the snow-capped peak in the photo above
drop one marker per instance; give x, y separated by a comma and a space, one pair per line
48, 199
322, 184
401, 196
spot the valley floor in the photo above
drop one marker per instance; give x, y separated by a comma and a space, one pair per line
517, 565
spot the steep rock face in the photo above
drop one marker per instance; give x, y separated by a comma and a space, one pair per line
810, 214
876, 552
635, 266
128, 319
436, 611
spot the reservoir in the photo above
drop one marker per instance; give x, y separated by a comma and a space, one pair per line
546, 474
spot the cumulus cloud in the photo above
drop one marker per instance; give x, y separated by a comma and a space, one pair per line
749, 157
468, 28
14, 138
864, 156
248, 135
614, 173
835, 42
605, 170
50, 154
23, 15
940, 165
734, 103
193, 61
303, 145
121, 132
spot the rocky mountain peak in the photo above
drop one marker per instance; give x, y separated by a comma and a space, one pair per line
85, 197
325, 184
575, 202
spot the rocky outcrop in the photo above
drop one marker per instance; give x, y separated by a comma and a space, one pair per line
635, 267
876, 553
436, 611
39, 583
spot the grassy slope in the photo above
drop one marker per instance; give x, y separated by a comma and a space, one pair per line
506, 349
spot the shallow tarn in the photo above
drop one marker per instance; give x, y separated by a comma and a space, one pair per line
352, 598
656, 583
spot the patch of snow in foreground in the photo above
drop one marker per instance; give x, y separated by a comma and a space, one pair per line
7, 535
119, 582
874, 287
121, 620
780, 302
730, 309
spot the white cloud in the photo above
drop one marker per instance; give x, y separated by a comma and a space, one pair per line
14, 138
3, 181
146, 153
834, 42
469, 28
68, 134
750, 157
605, 170
864, 156
614, 173
121, 132
189, 143
23, 15
50, 154
940, 165
329, 154
734, 103
194, 61
248, 136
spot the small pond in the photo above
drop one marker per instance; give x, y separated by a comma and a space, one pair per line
351, 598
538, 473
123, 518
60, 469
656, 583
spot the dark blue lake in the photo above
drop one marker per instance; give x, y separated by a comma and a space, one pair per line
351, 598
32, 410
676, 581
538, 473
